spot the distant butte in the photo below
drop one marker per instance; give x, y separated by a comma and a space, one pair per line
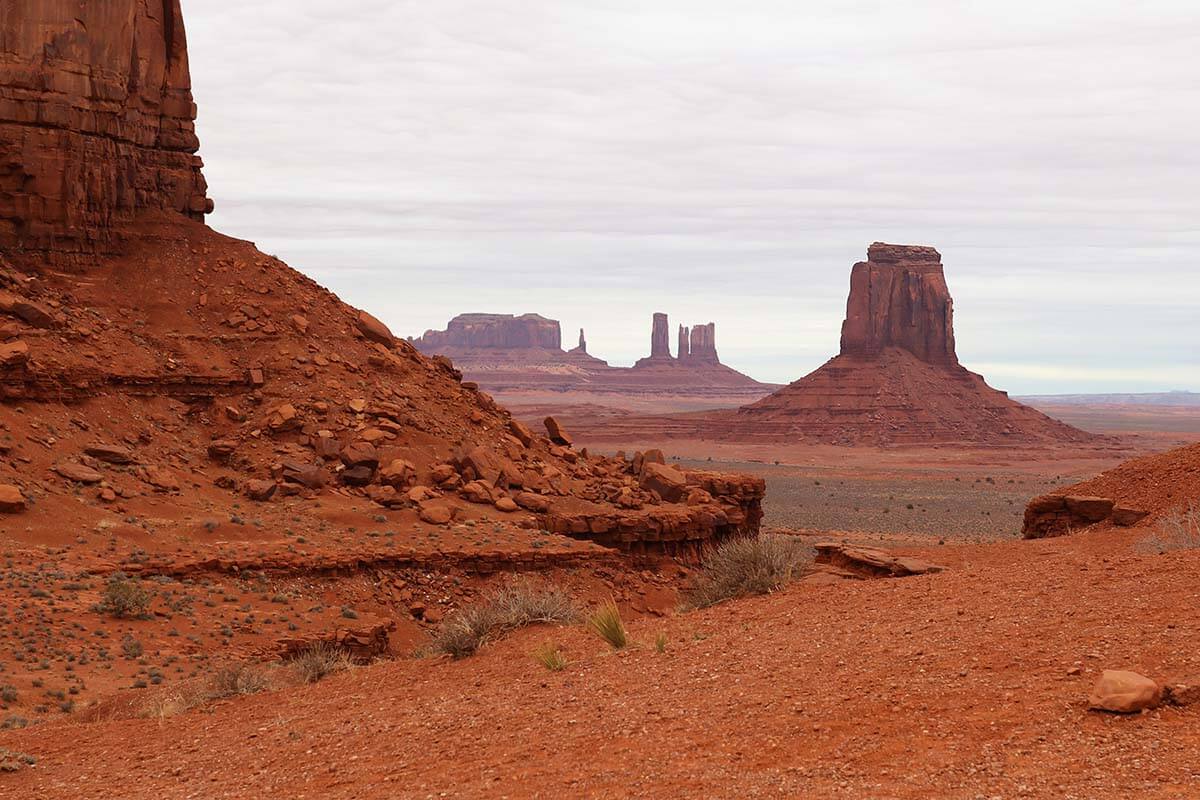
505, 353
896, 380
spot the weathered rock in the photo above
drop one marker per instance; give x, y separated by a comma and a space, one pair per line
110, 453
669, 483
506, 504
1126, 516
1182, 693
532, 502
399, 473
435, 513
359, 475
660, 343
360, 454
161, 478
11, 499
25, 310
260, 491
283, 418
96, 122
557, 433
1124, 692
13, 354
1090, 509
373, 329
442, 473
78, 472
309, 476
222, 449
521, 431
1055, 515
870, 562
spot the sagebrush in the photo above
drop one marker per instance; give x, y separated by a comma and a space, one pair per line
748, 566
504, 609
1178, 530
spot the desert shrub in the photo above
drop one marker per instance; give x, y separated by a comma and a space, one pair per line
319, 661
1178, 530
550, 657
747, 566
125, 598
11, 760
660, 643
606, 622
504, 609
232, 680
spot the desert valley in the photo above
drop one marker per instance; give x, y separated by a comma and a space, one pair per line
258, 543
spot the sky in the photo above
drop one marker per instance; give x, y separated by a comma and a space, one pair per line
596, 161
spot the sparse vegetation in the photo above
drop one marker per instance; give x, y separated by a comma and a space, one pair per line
124, 598
1178, 530
319, 661
507, 608
232, 680
11, 761
606, 622
749, 566
660, 643
550, 657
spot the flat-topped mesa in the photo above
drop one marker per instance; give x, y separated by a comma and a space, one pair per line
96, 124
494, 331
898, 298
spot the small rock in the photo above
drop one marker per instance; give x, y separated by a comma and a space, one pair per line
13, 354
506, 504
436, 513
111, 453
78, 473
260, 491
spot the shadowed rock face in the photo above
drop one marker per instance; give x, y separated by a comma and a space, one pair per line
660, 338
96, 122
898, 298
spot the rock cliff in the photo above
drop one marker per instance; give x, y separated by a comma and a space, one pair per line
96, 124
899, 298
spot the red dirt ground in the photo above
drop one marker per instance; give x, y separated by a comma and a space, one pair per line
969, 683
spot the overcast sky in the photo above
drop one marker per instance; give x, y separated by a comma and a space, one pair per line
727, 160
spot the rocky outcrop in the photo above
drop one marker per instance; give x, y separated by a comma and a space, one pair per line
493, 332
660, 346
853, 561
702, 347
697, 346
582, 348
1057, 515
96, 124
898, 298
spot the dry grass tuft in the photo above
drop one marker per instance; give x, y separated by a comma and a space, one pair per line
606, 622
748, 566
550, 657
232, 680
511, 606
1178, 530
320, 661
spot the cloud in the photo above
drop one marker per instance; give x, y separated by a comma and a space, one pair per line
598, 160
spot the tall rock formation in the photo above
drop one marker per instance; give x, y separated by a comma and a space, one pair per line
685, 349
493, 332
703, 346
898, 298
582, 348
96, 123
660, 345
897, 379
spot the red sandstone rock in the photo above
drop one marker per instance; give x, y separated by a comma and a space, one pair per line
557, 433
11, 499
13, 354
28, 312
899, 298
111, 453
1124, 692
78, 473
96, 122
871, 562
260, 490
373, 329
669, 483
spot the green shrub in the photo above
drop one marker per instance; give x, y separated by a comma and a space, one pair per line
124, 598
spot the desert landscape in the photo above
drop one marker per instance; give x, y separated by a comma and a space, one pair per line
257, 542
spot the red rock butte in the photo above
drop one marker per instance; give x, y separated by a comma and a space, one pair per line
506, 353
897, 379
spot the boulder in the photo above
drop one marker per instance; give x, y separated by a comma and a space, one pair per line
435, 513
373, 329
360, 454
669, 483
111, 453
1125, 516
1089, 509
557, 433
309, 476
30, 313
533, 502
11, 499
399, 473
1124, 692
260, 491
506, 504
360, 475
521, 431
870, 562
78, 473
222, 449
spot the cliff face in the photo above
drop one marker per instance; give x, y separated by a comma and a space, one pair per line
898, 298
493, 331
96, 123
